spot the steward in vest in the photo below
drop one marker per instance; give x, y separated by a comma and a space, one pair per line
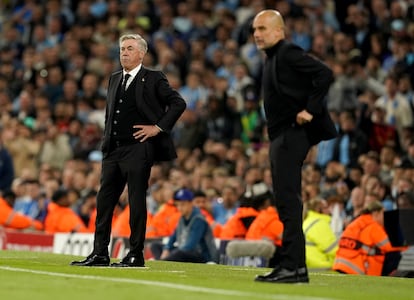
164, 221
120, 224
267, 224
60, 217
10, 218
192, 240
321, 242
250, 204
364, 243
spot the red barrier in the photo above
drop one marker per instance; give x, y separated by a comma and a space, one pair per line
25, 241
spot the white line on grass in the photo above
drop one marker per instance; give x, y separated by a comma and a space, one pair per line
166, 285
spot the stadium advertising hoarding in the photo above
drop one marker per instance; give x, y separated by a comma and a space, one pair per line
25, 241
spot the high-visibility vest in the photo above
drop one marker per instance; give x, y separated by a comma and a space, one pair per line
120, 224
321, 242
164, 221
237, 225
63, 219
362, 247
267, 225
10, 218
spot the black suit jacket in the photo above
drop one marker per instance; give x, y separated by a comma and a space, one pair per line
304, 81
157, 101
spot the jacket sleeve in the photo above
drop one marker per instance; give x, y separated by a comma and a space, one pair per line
171, 99
321, 76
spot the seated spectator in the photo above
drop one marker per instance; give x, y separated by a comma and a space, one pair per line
192, 240
238, 224
225, 206
351, 142
321, 242
201, 201
60, 217
267, 224
10, 218
164, 221
120, 224
364, 243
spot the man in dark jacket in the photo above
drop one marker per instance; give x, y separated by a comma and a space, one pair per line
294, 86
141, 111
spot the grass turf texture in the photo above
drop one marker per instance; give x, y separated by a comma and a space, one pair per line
32, 275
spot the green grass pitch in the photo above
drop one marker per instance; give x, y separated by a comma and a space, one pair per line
45, 276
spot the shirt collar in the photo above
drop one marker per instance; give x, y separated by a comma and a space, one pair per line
133, 72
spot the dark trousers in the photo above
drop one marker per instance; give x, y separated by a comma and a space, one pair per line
287, 153
131, 165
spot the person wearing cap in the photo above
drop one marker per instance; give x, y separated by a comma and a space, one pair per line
192, 240
364, 243
60, 217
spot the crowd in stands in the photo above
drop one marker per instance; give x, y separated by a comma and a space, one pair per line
56, 58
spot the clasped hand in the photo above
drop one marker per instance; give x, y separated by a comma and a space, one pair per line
303, 117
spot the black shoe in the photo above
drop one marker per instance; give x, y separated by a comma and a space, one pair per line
282, 275
130, 262
93, 260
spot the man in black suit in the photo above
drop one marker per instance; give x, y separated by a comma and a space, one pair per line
294, 89
141, 110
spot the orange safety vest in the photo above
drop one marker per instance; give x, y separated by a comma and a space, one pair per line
120, 225
236, 227
215, 226
164, 221
92, 220
10, 218
63, 219
267, 225
362, 247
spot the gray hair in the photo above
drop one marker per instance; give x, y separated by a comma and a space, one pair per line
132, 36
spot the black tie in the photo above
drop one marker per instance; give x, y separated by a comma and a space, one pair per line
126, 77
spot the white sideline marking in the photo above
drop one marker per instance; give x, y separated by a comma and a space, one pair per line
166, 285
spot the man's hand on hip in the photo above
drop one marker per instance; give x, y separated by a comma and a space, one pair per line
144, 132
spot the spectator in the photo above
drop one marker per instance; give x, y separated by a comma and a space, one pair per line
192, 240
56, 149
351, 142
398, 111
9, 218
321, 242
364, 243
60, 217
267, 224
239, 223
6, 166
164, 221
252, 120
225, 206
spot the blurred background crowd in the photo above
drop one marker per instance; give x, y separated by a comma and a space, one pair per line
56, 58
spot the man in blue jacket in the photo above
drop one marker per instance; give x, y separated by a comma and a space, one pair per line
192, 240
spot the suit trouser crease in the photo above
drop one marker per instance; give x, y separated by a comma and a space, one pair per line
287, 153
129, 165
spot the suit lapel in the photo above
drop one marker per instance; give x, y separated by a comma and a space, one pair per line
139, 86
112, 90
141, 101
